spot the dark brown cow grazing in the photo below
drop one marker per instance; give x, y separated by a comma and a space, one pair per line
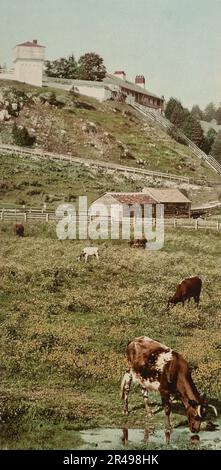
190, 287
157, 367
19, 230
138, 243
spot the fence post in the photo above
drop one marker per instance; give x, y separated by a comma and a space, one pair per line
25, 216
217, 225
47, 217
2, 214
196, 224
174, 223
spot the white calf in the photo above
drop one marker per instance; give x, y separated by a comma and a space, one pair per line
89, 251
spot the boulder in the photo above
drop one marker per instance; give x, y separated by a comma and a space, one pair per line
4, 115
89, 127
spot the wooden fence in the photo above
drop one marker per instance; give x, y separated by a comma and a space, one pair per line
40, 215
71, 159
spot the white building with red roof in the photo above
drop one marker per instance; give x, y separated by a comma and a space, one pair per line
28, 59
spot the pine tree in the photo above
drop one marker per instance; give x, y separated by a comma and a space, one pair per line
218, 115
170, 106
197, 133
196, 112
216, 148
209, 112
177, 116
208, 141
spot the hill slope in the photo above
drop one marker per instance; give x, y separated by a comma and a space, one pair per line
110, 131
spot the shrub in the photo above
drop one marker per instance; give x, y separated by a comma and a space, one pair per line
22, 137
174, 133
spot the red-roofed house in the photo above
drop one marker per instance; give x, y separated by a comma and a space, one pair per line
29, 60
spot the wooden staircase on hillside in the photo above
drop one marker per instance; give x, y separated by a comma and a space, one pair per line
166, 124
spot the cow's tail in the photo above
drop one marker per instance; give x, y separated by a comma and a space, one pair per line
125, 383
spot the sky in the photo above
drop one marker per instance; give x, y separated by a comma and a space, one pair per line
175, 44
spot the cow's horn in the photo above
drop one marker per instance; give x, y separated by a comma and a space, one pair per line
199, 411
214, 409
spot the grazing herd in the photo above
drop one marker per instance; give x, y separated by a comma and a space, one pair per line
153, 365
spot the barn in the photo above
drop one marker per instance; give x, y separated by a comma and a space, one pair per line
126, 204
176, 204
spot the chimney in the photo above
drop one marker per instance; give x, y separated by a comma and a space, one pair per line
120, 74
140, 80
35, 41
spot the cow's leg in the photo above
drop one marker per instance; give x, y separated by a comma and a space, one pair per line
197, 299
124, 437
167, 410
145, 399
96, 254
125, 389
85, 258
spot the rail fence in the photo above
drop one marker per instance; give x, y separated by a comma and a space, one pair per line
71, 159
40, 215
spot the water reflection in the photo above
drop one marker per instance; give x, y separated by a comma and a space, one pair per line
146, 434
124, 437
149, 430
195, 441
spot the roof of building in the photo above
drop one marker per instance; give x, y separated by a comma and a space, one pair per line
166, 195
29, 44
114, 80
130, 198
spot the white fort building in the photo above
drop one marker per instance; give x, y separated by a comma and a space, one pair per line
29, 59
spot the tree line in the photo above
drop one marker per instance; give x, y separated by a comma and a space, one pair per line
208, 114
188, 122
90, 66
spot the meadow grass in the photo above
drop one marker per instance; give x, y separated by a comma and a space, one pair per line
66, 324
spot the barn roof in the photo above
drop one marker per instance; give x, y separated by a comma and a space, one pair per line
129, 198
166, 195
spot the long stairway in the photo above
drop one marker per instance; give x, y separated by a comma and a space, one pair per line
166, 124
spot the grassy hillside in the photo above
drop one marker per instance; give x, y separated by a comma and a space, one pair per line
65, 326
35, 182
120, 133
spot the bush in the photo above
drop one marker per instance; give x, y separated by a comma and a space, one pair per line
174, 133
22, 137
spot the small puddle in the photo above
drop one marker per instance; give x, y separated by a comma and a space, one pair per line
116, 438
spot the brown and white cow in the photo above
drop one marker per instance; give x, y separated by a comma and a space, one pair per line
157, 367
188, 288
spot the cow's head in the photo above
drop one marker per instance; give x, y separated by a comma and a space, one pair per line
82, 255
172, 301
196, 413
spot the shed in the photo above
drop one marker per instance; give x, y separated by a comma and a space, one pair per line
176, 204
